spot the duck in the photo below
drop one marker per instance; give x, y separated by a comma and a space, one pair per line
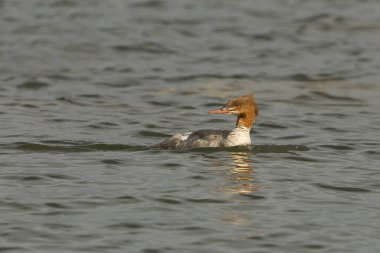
246, 111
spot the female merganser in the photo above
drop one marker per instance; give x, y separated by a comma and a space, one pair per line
243, 107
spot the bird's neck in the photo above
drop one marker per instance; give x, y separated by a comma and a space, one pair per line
245, 120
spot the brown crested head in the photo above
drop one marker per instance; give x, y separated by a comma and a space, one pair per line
244, 107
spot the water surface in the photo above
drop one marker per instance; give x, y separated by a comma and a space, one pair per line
86, 87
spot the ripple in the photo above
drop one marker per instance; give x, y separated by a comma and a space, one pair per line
91, 96
168, 201
279, 148
211, 104
149, 4
63, 3
334, 97
10, 248
253, 196
60, 176
171, 165
60, 77
272, 125
29, 106
324, 95
59, 120
145, 133
155, 250
217, 121
321, 77
342, 188
56, 205
266, 148
337, 147
334, 129
102, 125
63, 212
372, 152
302, 159
206, 201
150, 47
125, 225
194, 228
126, 199
70, 147
122, 84
19, 206
32, 178
150, 125
198, 177
291, 137
160, 103
314, 246
301, 77
112, 161
33, 85
256, 237
207, 76
264, 36
58, 226
89, 204
187, 107
69, 100
314, 17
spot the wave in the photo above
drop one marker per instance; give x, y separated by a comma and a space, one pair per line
71, 146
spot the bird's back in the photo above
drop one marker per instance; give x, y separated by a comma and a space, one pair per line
197, 139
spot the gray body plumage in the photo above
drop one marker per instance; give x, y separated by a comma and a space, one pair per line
207, 138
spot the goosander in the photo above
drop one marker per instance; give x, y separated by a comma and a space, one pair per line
243, 107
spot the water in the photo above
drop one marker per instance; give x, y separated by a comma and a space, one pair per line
87, 86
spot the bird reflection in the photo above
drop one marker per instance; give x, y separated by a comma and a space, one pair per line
241, 175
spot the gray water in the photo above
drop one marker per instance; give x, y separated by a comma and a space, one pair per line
86, 87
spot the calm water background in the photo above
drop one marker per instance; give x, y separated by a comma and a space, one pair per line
87, 86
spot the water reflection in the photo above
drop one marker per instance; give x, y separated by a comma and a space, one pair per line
241, 180
242, 175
